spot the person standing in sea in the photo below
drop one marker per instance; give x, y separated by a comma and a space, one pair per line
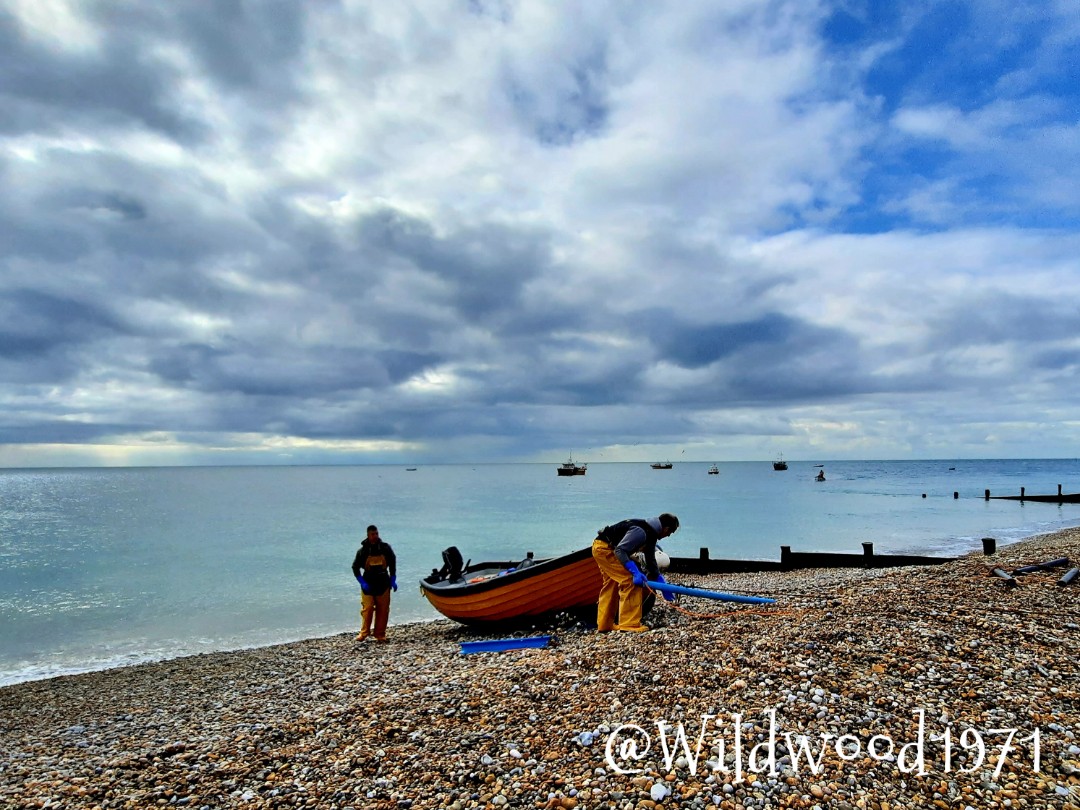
622, 581
375, 568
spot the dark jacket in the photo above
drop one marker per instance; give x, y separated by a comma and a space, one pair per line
376, 561
627, 537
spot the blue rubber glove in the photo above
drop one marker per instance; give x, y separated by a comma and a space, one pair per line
639, 578
363, 583
393, 583
668, 596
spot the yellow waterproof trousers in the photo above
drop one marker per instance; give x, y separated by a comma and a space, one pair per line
377, 607
619, 597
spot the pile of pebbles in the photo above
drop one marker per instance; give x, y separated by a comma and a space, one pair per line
878, 689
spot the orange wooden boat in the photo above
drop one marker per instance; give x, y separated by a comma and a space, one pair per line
492, 593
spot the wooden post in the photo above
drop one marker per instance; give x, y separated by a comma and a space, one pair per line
703, 554
1005, 575
1021, 494
785, 556
868, 549
987, 496
1060, 562
955, 496
989, 545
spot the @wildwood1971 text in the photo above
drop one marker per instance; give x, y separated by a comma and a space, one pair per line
962, 750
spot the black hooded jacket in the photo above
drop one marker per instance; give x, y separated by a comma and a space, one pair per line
376, 561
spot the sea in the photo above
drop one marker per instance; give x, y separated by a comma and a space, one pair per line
106, 567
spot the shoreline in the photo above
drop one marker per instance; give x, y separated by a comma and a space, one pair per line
37, 672
852, 653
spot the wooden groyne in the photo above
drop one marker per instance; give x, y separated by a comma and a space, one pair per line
794, 560
1068, 497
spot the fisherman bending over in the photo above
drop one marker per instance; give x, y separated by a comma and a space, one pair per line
621, 593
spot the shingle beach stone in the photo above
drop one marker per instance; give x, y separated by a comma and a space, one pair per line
871, 689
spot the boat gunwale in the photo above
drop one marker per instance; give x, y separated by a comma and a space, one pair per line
450, 590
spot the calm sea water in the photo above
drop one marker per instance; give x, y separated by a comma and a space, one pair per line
103, 567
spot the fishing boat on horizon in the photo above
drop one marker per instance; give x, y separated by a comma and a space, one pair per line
570, 468
714, 470
661, 465
779, 464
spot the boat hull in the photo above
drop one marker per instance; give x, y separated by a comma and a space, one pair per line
551, 586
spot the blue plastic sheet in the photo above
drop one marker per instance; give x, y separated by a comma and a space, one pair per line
501, 644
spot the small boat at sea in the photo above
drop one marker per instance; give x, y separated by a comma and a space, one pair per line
714, 470
493, 593
779, 464
661, 465
570, 468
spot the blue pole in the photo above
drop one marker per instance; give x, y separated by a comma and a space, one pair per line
722, 597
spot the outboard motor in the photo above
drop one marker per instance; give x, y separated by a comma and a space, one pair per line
453, 565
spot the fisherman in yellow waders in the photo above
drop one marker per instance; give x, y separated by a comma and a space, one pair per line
375, 568
621, 593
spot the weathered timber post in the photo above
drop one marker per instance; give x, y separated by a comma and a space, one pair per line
1060, 562
785, 557
987, 496
1005, 575
989, 546
703, 554
955, 496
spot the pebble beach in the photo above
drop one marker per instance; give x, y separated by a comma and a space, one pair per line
938, 686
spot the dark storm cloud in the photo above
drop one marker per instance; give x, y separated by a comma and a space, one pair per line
46, 90
285, 371
61, 431
540, 370
485, 268
994, 317
73, 204
124, 206
1064, 360
772, 358
245, 46
34, 324
694, 345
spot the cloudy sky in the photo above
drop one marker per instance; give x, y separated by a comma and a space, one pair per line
492, 230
